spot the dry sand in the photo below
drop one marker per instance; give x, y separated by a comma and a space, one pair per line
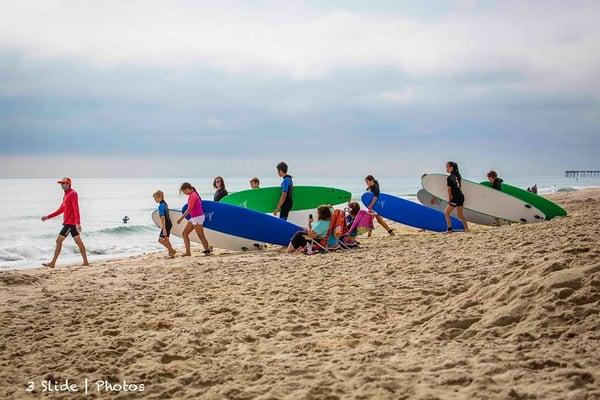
502, 313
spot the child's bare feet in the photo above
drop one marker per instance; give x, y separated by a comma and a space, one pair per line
186, 255
85, 264
49, 265
172, 253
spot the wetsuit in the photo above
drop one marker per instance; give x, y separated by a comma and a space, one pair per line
457, 199
220, 193
497, 184
287, 186
163, 211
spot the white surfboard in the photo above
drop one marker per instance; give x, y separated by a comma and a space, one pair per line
215, 239
472, 216
485, 200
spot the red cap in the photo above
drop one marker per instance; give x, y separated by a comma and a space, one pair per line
64, 180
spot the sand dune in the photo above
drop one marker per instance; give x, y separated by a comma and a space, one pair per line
498, 313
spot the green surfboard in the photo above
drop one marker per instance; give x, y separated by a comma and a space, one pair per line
304, 197
549, 208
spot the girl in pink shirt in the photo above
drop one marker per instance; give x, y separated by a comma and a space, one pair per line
196, 222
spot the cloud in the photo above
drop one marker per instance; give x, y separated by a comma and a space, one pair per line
384, 87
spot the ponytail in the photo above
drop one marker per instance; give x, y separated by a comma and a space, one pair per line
187, 185
455, 170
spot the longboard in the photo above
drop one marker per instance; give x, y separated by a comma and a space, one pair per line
215, 239
485, 200
549, 208
472, 216
410, 213
304, 198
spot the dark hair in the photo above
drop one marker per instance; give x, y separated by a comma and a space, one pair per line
492, 174
283, 167
187, 185
324, 213
255, 180
216, 179
371, 178
455, 170
354, 208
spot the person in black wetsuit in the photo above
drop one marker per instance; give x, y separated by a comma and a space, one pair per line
285, 203
219, 184
165, 222
494, 180
373, 187
456, 198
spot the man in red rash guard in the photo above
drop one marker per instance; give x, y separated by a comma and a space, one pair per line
71, 222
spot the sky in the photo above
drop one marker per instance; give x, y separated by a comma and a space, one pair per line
336, 88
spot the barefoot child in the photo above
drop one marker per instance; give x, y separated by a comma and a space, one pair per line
196, 222
165, 222
71, 222
373, 186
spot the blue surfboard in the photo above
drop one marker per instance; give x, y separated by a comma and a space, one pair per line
409, 213
246, 223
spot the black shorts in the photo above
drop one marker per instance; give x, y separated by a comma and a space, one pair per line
285, 211
161, 234
299, 240
457, 201
67, 228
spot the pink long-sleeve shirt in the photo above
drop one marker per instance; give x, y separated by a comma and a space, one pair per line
195, 205
69, 208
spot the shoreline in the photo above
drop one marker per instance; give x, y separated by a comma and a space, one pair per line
503, 312
103, 259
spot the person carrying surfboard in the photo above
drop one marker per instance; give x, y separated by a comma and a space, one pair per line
165, 221
219, 184
196, 222
255, 183
456, 198
494, 180
69, 208
285, 203
373, 186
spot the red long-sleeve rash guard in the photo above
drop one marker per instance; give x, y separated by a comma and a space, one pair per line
69, 208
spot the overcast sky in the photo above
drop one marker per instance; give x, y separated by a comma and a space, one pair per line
394, 88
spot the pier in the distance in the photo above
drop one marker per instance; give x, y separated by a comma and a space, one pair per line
582, 174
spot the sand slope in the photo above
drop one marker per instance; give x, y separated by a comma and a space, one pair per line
498, 313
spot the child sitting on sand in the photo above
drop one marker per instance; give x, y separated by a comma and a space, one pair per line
494, 180
165, 222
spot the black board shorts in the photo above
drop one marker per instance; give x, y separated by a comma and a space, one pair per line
457, 201
67, 228
161, 234
285, 211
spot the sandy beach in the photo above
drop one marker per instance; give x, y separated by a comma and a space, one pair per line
497, 313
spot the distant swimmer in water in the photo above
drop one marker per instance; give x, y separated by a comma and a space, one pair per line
71, 222
255, 183
125, 219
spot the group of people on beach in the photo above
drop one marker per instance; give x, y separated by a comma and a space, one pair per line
194, 212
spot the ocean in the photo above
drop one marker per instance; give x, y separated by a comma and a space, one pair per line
26, 241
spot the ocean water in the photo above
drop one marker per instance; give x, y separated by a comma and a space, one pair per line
26, 241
